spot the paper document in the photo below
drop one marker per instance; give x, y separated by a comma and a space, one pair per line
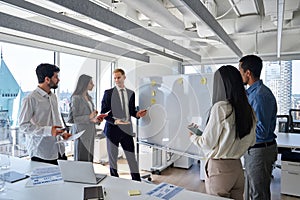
73, 137
122, 121
45, 176
165, 191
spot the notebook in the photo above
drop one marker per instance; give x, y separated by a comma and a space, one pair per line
79, 172
94, 192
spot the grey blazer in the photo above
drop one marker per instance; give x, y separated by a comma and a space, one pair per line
85, 144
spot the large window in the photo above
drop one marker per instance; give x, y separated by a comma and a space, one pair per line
22, 61
18, 79
71, 68
279, 76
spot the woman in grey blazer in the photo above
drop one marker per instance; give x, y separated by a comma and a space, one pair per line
85, 117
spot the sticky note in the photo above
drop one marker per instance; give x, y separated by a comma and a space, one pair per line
180, 81
153, 101
134, 192
153, 82
203, 81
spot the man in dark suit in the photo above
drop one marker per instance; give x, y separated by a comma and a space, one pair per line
120, 103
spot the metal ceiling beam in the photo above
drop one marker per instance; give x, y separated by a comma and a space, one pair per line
203, 14
103, 15
21, 40
280, 14
34, 28
57, 16
260, 7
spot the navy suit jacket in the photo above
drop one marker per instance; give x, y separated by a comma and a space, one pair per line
111, 102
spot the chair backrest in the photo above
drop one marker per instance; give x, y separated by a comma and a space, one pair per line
65, 124
294, 123
283, 123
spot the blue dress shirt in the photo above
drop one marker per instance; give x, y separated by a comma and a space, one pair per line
264, 104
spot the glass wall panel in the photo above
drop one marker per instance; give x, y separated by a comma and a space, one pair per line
71, 67
17, 79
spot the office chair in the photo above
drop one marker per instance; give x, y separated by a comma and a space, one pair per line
63, 115
283, 123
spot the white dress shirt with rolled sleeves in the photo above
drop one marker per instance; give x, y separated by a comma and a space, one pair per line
38, 114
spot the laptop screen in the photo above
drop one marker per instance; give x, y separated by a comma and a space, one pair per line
79, 172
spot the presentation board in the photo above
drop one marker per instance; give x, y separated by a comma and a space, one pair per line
174, 102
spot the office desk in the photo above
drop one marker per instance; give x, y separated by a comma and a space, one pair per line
116, 188
290, 170
288, 140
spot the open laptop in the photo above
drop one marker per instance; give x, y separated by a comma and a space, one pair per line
79, 172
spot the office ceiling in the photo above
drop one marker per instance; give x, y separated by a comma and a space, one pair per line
192, 31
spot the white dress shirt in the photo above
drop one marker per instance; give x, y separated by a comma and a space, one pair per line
39, 112
126, 101
219, 140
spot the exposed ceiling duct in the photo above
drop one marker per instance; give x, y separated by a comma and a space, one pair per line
189, 31
65, 20
158, 13
107, 17
203, 14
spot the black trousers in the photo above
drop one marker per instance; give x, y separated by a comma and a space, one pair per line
53, 162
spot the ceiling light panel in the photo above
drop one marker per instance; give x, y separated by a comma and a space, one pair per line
15, 11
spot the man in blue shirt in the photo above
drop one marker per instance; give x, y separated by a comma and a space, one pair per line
259, 159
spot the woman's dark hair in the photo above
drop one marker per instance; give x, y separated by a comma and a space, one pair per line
82, 84
236, 95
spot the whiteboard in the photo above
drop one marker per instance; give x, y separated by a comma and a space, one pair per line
175, 102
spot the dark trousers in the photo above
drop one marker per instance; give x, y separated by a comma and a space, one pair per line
53, 162
127, 144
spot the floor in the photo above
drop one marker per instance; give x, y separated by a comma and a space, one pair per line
189, 179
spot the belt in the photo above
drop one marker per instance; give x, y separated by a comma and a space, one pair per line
263, 144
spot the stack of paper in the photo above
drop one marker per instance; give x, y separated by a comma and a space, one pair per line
45, 175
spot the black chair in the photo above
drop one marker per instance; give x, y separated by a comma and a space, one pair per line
63, 116
283, 123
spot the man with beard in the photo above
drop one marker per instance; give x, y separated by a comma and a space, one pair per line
40, 120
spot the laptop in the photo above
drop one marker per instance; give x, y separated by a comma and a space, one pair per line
79, 172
